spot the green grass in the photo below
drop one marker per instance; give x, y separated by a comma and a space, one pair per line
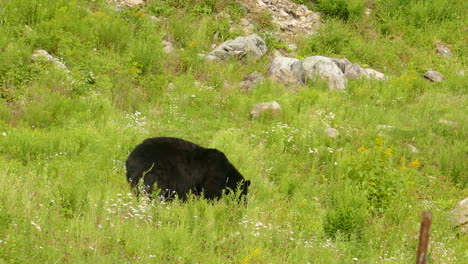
64, 137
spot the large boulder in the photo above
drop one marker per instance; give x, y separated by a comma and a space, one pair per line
252, 46
326, 69
289, 64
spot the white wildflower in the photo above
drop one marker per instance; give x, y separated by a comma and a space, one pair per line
36, 225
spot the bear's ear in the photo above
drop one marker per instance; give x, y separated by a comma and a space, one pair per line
247, 183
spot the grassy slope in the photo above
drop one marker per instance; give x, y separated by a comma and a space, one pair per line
64, 137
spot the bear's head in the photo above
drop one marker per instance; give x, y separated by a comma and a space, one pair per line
232, 177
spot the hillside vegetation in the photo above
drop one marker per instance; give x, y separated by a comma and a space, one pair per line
65, 133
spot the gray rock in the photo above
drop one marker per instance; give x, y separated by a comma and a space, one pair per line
168, 46
443, 50
354, 71
240, 48
448, 123
459, 215
168, 49
332, 132
433, 76
43, 55
287, 78
291, 18
249, 82
343, 63
326, 69
461, 73
385, 127
289, 64
292, 47
372, 74
412, 148
260, 108
170, 87
129, 3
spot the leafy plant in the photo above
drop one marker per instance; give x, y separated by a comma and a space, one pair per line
374, 170
342, 9
347, 212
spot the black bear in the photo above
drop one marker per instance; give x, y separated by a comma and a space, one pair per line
179, 167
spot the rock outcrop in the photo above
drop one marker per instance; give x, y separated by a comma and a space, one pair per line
291, 18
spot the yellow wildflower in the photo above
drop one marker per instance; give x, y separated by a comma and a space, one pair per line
361, 149
379, 140
415, 164
101, 14
245, 260
257, 252
389, 152
139, 14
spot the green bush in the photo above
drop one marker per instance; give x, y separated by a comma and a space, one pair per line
347, 213
342, 9
167, 7
420, 13
374, 170
331, 39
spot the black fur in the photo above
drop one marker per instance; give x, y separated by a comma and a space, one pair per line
180, 167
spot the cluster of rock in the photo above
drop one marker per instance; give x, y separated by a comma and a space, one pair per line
435, 76
291, 18
292, 71
335, 71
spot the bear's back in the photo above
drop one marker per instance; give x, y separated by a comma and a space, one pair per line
167, 147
